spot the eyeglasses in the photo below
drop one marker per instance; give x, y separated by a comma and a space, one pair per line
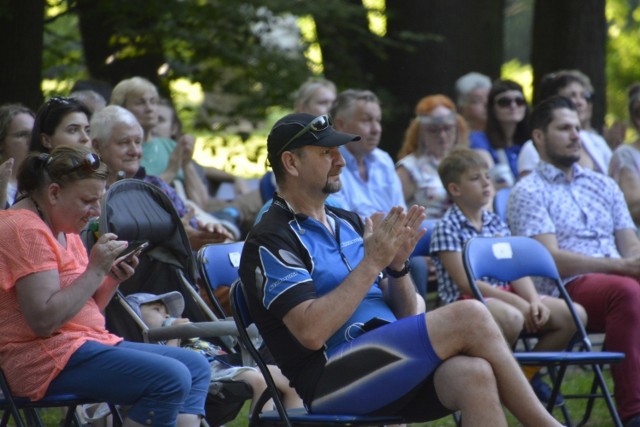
437, 124
90, 163
506, 101
437, 130
318, 124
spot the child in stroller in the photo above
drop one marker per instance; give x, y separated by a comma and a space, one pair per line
166, 309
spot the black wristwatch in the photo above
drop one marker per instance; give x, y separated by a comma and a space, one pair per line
396, 274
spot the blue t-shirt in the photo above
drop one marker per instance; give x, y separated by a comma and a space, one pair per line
479, 140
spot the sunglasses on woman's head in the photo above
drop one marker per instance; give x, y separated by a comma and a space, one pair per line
506, 101
90, 163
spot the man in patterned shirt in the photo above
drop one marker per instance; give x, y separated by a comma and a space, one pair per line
582, 218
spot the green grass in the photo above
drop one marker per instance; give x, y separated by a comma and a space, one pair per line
576, 381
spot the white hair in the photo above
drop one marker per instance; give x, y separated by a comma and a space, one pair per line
470, 82
103, 122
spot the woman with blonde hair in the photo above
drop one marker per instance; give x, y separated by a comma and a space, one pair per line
436, 129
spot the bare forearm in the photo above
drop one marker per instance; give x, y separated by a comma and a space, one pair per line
46, 314
572, 264
105, 292
314, 322
195, 188
400, 294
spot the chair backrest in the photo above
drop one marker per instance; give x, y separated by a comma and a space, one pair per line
500, 202
218, 263
243, 319
422, 247
510, 258
267, 186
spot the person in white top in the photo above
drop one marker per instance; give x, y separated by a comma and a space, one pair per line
576, 86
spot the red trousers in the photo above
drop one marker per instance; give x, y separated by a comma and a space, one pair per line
613, 306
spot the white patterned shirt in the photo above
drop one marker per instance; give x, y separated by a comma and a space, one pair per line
583, 213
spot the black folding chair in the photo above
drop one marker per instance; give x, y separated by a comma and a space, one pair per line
282, 416
13, 405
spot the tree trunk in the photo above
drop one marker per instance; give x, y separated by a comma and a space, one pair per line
455, 37
104, 57
21, 29
571, 34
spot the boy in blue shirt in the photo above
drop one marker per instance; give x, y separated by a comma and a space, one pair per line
516, 306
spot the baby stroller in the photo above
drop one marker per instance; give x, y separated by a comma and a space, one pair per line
137, 211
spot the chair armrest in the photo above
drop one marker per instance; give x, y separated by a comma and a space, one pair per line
194, 330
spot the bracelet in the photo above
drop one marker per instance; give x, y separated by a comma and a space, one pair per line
397, 274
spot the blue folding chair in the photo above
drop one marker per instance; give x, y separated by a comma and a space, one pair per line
420, 268
500, 203
281, 416
422, 247
513, 257
218, 266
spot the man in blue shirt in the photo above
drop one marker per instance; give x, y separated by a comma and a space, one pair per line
369, 180
349, 338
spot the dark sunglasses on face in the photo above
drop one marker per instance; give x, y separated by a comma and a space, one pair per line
506, 101
318, 124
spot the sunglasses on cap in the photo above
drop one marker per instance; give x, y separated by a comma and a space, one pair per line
506, 101
90, 163
318, 124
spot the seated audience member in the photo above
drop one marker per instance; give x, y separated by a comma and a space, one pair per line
170, 127
165, 310
313, 280
516, 306
472, 91
582, 218
16, 122
117, 137
102, 87
576, 86
369, 180
92, 99
625, 163
507, 129
173, 160
315, 96
52, 337
436, 129
60, 121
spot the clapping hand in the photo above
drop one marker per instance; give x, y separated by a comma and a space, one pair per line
390, 240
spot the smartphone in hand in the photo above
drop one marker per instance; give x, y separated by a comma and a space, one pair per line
134, 249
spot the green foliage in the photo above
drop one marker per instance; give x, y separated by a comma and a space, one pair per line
623, 54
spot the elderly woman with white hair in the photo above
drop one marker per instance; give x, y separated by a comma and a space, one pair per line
472, 91
117, 136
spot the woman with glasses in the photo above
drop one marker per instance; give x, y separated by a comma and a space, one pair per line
507, 129
52, 335
436, 129
625, 162
16, 122
60, 121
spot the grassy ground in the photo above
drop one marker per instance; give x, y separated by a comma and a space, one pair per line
576, 381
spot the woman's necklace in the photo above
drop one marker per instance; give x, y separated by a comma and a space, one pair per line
40, 213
